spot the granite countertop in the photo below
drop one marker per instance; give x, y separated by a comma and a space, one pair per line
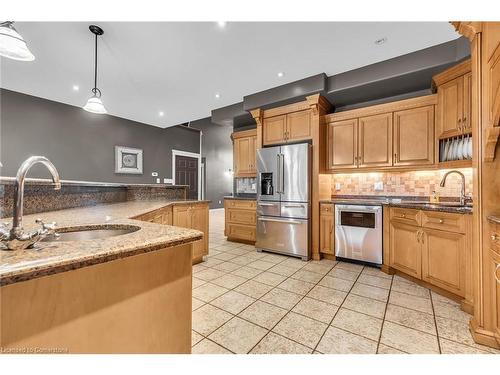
406, 202
242, 198
48, 258
46, 181
495, 218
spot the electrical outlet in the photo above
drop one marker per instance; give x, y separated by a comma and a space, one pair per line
337, 186
154, 174
220, 202
158, 180
378, 186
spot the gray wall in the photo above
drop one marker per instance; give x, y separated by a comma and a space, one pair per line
81, 144
217, 149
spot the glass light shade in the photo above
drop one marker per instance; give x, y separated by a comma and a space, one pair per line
12, 44
94, 105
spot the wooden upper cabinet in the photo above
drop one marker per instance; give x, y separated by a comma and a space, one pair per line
414, 136
342, 144
467, 103
273, 130
244, 153
450, 107
491, 71
298, 126
375, 141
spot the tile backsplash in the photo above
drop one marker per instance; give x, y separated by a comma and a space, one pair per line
415, 183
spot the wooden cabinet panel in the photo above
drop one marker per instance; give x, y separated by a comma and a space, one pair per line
241, 220
273, 130
375, 141
244, 152
450, 105
298, 126
443, 260
405, 254
199, 221
467, 103
408, 216
443, 221
252, 156
342, 144
494, 271
243, 232
326, 227
181, 216
243, 204
242, 217
414, 136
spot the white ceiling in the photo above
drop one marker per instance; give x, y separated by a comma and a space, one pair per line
178, 67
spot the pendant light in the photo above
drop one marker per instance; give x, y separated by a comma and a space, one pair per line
12, 44
94, 104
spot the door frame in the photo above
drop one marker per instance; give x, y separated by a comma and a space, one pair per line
190, 155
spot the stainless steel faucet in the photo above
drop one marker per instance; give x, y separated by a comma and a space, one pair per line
15, 238
463, 197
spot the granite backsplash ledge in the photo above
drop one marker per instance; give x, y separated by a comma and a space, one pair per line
41, 197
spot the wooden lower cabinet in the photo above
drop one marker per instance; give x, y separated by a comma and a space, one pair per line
495, 293
241, 220
326, 228
437, 255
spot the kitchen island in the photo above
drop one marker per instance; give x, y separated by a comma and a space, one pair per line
129, 293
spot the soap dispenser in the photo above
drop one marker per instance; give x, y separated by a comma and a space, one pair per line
434, 197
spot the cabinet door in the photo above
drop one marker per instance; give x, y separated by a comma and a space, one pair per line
242, 164
199, 221
342, 144
273, 130
443, 260
494, 270
450, 107
298, 126
467, 103
405, 253
181, 216
326, 226
375, 141
414, 136
252, 154
491, 72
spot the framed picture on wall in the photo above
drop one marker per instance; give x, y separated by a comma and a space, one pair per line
128, 160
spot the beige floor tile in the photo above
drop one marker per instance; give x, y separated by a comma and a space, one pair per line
412, 302
226, 266
208, 347
332, 296
370, 291
263, 314
350, 266
238, 251
343, 274
208, 292
411, 318
295, 263
276, 344
209, 274
358, 323
242, 260
229, 281
447, 310
274, 258
410, 288
233, 302
198, 267
197, 303
319, 267
255, 255
198, 282
253, 289
456, 331
375, 281
337, 341
269, 278
309, 276
246, 272
208, 318
261, 265
315, 309
282, 270
436, 297
211, 261
301, 329
213, 252
336, 283
384, 349
408, 340
373, 271
238, 335
296, 286
452, 347
225, 256
195, 338
281, 298
365, 305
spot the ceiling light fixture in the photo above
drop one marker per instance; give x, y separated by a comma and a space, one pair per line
12, 44
217, 96
280, 74
380, 41
76, 88
94, 104
161, 113
221, 24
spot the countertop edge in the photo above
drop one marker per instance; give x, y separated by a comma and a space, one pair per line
410, 205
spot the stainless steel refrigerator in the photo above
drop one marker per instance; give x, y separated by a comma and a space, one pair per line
283, 199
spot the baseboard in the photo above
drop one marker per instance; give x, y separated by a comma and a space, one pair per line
482, 336
328, 256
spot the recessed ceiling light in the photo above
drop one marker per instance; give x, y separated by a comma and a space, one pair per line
161, 113
217, 96
280, 74
76, 87
380, 41
221, 24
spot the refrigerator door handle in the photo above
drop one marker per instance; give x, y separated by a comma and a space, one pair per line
286, 221
278, 178
282, 173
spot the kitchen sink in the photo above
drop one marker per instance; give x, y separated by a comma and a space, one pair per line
90, 233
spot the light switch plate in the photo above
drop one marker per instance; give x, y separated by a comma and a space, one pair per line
378, 186
168, 181
158, 180
337, 186
154, 174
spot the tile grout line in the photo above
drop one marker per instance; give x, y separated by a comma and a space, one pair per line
385, 313
435, 323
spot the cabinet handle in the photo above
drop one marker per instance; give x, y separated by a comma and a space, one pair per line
395, 158
441, 221
494, 237
464, 121
422, 236
418, 236
403, 215
495, 273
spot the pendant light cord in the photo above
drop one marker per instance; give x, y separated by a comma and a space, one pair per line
95, 90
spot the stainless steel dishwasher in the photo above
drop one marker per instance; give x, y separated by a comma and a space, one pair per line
358, 232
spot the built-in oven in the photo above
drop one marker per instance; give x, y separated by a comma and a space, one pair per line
358, 232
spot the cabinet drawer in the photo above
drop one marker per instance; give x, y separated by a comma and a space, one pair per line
240, 231
241, 216
241, 204
406, 215
326, 208
443, 221
494, 231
